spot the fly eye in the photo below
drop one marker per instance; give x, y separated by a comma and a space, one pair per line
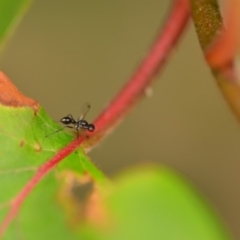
91, 127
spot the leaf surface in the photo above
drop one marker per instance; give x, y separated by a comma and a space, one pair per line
23, 149
155, 203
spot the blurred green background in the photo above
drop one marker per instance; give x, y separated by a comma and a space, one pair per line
67, 52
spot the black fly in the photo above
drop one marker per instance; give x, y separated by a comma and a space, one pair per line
78, 124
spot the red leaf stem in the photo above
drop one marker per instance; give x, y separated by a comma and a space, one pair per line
152, 63
130, 93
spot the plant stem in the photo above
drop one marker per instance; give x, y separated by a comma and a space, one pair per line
136, 87
225, 48
220, 45
129, 95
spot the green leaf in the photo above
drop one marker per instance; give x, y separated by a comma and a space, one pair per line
11, 12
23, 148
75, 201
155, 203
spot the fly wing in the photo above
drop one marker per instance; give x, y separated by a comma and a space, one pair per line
84, 110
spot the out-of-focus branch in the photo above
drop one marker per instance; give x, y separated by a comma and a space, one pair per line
225, 48
220, 44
